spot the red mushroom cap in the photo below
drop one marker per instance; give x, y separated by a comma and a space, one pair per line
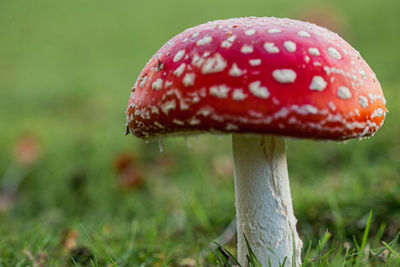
257, 75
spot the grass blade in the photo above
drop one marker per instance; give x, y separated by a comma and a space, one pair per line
391, 250
364, 239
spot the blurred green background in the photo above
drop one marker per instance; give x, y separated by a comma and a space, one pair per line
73, 187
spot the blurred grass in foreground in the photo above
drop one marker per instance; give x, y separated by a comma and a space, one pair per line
65, 73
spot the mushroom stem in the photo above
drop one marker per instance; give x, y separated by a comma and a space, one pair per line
263, 202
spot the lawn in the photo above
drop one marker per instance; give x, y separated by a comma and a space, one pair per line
74, 191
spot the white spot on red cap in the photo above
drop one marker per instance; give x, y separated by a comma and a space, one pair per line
314, 51
143, 82
284, 75
318, 83
167, 106
206, 54
214, 64
374, 97
194, 121
203, 92
197, 61
305, 109
178, 72
274, 30
255, 62
159, 125
307, 59
183, 105
290, 46
196, 99
271, 48
188, 79
334, 53
259, 91
220, 91
154, 110
282, 113
377, 113
310, 109
230, 126
205, 111
205, 40
363, 101
327, 70
179, 55
168, 84
250, 32
332, 106
238, 95
344, 92
235, 71
157, 84
228, 42
275, 101
362, 73
255, 113
303, 34
247, 49
170, 43
178, 122
231, 38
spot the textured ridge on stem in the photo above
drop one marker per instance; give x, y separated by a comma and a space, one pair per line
263, 201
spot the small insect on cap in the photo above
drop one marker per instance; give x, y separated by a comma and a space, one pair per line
257, 75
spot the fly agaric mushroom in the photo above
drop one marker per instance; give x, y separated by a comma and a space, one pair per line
260, 79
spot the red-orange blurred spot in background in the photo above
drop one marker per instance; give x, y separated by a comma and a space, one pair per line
128, 171
27, 149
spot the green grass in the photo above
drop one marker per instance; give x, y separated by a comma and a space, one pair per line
66, 69
336, 254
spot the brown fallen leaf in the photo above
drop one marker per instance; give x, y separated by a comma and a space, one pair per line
27, 150
187, 262
38, 261
26, 153
69, 240
131, 178
128, 172
123, 161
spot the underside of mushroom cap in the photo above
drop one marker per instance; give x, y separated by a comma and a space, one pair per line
257, 75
